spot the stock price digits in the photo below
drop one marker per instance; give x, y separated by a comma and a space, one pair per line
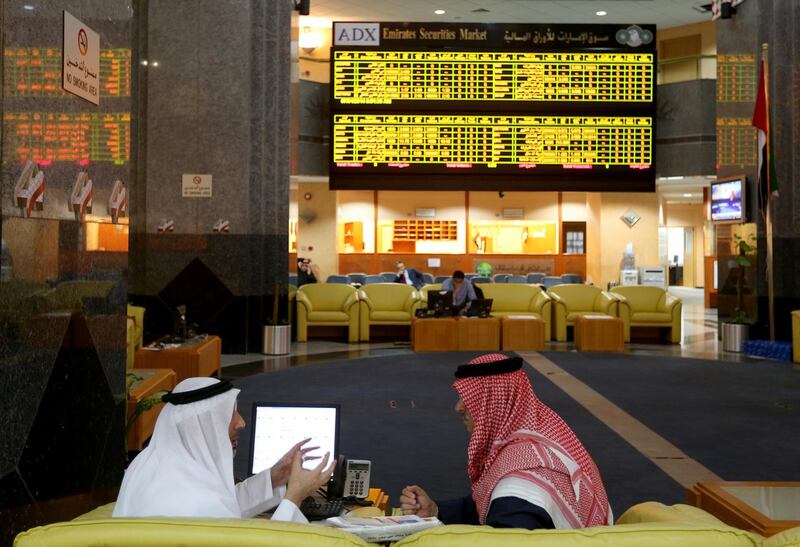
492, 141
380, 77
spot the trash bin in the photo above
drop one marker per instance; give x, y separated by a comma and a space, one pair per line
277, 339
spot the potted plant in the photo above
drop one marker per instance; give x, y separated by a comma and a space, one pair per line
736, 331
278, 333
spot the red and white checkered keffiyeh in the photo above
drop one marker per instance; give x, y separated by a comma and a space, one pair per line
518, 435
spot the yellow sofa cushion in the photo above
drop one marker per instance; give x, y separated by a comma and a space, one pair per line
642, 298
510, 297
388, 297
662, 534
325, 296
578, 298
166, 532
787, 538
572, 315
328, 316
651, 317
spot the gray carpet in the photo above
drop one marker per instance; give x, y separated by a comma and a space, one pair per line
741, 420
421, 439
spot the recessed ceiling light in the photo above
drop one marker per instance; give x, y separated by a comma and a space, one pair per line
602, 13
439, 12
687, 195
28, 7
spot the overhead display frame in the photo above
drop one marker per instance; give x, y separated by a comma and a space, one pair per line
492, 107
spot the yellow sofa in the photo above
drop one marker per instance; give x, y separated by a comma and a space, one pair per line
796, 336
648, 524
135, 336
327, 304
570, 300
386, 304
519, 299
642, 306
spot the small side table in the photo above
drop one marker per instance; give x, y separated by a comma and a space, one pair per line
153, 380
434, 334
478, 333
522, 332
195, 358
599, 333
766, 508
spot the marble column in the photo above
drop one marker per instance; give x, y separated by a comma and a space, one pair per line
217, 103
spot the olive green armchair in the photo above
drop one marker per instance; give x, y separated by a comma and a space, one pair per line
386, 304
571, 300
327, 304
644, 306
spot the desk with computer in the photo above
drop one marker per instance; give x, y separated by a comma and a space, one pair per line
442, 326
276, 427
440, 304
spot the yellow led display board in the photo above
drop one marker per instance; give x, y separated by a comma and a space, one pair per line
382, 77
45, 137
36, 72
438, 105
467, 141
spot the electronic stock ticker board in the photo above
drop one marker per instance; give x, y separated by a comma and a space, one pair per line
492, 107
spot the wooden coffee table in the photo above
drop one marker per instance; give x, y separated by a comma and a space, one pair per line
195, 358
762, 507
434, 334
478, 333
599, 333
522, 332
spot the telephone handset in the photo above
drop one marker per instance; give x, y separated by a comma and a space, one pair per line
350, 479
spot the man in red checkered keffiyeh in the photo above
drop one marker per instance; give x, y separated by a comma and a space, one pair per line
527, 467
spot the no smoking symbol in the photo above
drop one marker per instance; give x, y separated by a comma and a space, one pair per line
197, 180
83, 42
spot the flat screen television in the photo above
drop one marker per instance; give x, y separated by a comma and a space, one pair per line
729, 200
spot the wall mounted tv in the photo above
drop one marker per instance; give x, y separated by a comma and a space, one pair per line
473, 106
729, 200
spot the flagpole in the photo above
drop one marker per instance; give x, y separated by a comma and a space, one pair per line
768, 221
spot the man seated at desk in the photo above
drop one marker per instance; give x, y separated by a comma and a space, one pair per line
463, 291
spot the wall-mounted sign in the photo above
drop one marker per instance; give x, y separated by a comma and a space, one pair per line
196, 186
81, 62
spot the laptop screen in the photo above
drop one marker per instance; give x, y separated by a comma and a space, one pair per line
276, 427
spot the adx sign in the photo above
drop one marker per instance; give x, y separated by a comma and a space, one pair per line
356, 34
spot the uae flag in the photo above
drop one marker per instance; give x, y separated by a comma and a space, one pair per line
767, 180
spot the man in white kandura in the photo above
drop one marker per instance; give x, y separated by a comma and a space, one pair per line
187, 470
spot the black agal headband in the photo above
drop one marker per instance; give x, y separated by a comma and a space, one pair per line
186, 397
511, 364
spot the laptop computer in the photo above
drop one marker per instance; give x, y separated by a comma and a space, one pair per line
481, 307
276, 427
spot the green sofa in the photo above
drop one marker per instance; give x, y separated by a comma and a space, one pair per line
648, 524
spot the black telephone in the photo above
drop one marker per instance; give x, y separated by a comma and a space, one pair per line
350, 479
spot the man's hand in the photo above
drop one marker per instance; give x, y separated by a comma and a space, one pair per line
304, 482
279, 474
415, 501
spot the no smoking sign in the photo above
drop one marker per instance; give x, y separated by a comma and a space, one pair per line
196, 186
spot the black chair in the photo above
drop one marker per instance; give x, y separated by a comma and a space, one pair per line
342, 279
370, 279
501, 278
441, 278
535, 277
470, 275
518, 279
293, 279
428, 278
571, 278
480, 279
389, 277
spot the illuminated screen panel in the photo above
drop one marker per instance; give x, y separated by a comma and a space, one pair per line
36, 72
492, 106
513, 144
389, 77
68, 136
736, 142
736, 78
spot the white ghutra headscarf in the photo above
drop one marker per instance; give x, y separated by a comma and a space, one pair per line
187, 470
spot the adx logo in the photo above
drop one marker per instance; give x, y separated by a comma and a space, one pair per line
356, 34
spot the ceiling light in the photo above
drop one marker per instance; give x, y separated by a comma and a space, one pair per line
439, 12
687, 195
154, 63
27, 7
602, 13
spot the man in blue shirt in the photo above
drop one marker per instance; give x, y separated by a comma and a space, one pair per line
463, 291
